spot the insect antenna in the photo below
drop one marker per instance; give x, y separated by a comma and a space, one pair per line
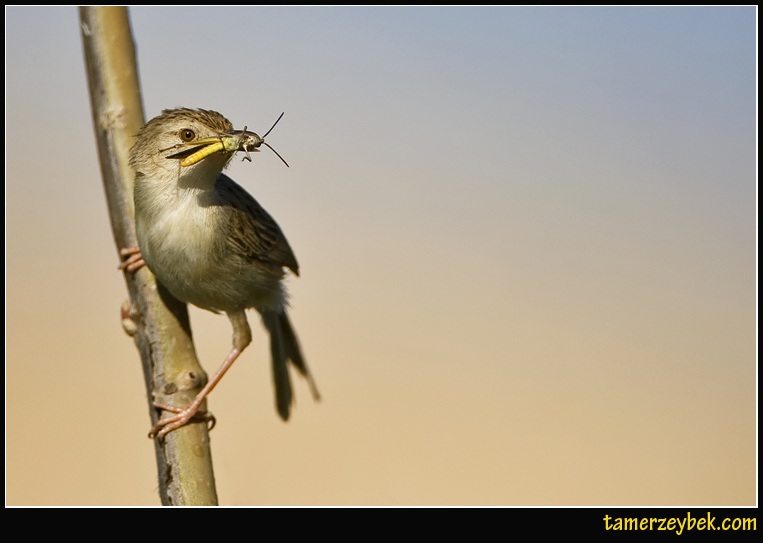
272, 127
266, 135
276, 152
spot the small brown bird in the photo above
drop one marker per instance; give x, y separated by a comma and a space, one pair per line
209, 242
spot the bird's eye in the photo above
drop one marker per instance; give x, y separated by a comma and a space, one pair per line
186, 134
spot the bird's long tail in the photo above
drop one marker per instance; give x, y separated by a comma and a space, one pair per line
284, 348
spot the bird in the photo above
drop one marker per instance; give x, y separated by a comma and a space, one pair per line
210, 243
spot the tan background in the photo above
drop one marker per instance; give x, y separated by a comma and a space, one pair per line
527, 242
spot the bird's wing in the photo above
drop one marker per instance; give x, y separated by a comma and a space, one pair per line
252, 233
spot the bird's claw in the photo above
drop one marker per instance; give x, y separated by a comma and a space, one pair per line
133, 259
179, 419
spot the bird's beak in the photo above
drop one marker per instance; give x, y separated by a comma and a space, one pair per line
230, 142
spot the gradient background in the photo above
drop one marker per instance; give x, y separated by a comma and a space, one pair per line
527, 239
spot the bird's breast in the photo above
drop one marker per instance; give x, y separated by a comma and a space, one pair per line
184, 244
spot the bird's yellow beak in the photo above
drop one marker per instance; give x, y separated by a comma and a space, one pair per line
194, 152
236, 140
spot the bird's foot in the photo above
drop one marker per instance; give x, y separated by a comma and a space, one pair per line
180, 418
133, 259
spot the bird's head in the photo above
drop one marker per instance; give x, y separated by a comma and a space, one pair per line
190, 144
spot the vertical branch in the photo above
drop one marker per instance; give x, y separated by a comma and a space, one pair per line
162, 333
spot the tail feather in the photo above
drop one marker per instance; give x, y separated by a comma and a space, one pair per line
284, 347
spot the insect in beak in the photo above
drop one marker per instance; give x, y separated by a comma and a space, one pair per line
230, 142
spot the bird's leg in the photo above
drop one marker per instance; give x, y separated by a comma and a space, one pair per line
134, 260
242, 336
